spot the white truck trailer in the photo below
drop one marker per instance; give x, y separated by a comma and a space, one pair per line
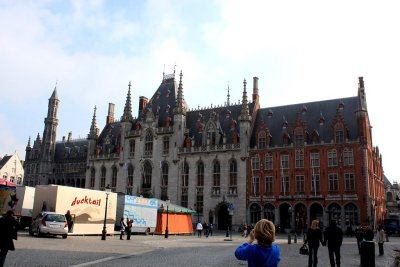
86, 206
143, 212
24, 206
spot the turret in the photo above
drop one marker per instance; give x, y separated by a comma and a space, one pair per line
50, 128
245, 125
110, 116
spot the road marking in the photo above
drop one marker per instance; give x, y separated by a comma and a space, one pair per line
102, 260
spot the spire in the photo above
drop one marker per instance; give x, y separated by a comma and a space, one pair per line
127, 116
93, 127
245, 108
54, 95
229, 97
29, 142
180, 102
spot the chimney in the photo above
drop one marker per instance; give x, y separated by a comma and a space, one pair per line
110, 116
142, 104
69, 136
255, 89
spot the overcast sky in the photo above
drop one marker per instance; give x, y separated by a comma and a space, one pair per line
302, 51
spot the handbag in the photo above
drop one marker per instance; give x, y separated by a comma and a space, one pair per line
304, 249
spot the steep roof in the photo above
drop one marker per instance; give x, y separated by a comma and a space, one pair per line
317, 116
4, 160
71, 150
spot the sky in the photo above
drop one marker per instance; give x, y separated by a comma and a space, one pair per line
301, 51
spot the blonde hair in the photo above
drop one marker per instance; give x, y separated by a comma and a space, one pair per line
264, 232
315, 224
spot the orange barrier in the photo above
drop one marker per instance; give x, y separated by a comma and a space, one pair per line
178, 223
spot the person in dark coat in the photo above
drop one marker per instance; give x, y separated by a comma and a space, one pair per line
8, 232
333, 238
359, 233
313, 238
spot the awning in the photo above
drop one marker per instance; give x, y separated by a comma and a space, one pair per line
7, 183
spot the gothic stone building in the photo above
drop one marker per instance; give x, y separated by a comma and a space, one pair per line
234, 163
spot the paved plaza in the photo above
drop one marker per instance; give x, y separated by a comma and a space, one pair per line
80, 251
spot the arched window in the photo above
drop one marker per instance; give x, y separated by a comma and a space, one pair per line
255, 213
335, 213
339, 133
114, 178
129, 180
148, 144
217, 174
200, 174
261, 140
92, 177
102, 178
164, 174
351, 215
185, 175
232, 173
147, 175
299, 137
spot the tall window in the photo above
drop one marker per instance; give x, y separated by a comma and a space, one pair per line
314, 157
351, 214
256, 186
268, 185
255, 163
129, 180
184, 197
200, 174
165, 145
299, 159
148, 144
349, 182
185, 175
114, 178
284, 161
92, 177
147, 175
339, 133
300, 184
199, 202
164, 174
103, 178
299, 138
268, 161
315, 183
333, 182
255, 213
232, 173
261, 140
217, 174
285, 185
132, 148
348, 157
332, 158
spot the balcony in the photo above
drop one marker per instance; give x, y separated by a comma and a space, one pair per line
232, 191
104, 156
215, 191
209, 148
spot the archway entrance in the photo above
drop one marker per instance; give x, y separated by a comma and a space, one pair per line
284, 215
269, 212
300, 217
316, 213
223, 217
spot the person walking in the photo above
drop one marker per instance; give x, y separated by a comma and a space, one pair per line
359, 233
333, 238
264, 253
313, 238
210, 229
129, 223
199, 229
205, 229
380, 239
68, 216
8, 231
122, 228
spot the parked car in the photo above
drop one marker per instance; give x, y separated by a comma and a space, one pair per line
49, 223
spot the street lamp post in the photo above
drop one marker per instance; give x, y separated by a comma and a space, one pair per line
104, 232
166, 226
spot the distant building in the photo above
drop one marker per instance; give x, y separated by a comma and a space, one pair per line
11, 169
392, 198
233, 163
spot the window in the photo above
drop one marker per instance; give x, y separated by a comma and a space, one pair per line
339, 133
268, 185
333, 182
255, 213
348, 157
185, 175
164, 174
284, 161
285, 185
217, 174
351, 214
129, 180
314, 159
299, 159
332, 158
315, 183
132, 148
92, 177
255, 163
103, 178
199, 203
299, 138
200, 174
147, 175
148, 144
184, 198
166, 145
300, 184
268, 162
261, 140
256, 186
349, 182
114, 178
233, 173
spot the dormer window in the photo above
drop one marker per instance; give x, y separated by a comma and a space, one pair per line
286, 138
270, 113
299, 138
304, 110
315, 136
228, 113
321, 119
341, 105
339, 134
261, 140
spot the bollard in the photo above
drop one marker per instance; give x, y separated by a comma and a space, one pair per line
289, 239
367, 254
295, 238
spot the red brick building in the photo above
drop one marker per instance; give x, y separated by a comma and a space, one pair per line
315, 160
